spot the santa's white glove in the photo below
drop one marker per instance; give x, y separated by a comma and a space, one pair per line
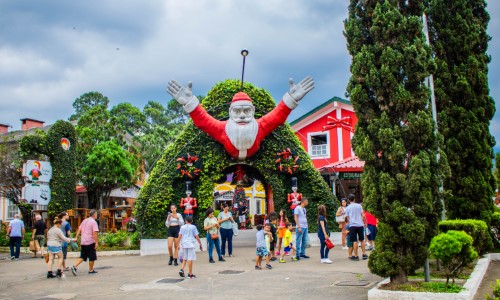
183, 95
298, 91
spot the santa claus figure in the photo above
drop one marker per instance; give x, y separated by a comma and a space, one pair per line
242, 134
294, 198
189, 204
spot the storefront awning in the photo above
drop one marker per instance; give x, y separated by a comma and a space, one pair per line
350, 164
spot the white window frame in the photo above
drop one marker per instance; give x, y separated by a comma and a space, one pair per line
12, 209
310, 135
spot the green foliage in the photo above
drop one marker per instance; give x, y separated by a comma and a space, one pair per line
395, 130
477, 229
454, 250
459, 42
63, 180
135, 239
495, 228
431, 287
496, 291
86, 102
164, 187
113, 239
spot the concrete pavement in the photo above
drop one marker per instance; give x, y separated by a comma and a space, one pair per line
137, 277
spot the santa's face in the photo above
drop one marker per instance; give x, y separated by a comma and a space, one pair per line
242, 113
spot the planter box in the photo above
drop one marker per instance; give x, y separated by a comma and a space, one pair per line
160, 246
470, 287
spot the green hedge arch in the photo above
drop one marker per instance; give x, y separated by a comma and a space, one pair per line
164, 185
63, 182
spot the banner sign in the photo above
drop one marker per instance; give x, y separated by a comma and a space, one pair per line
37, 170
349, 176
35, 193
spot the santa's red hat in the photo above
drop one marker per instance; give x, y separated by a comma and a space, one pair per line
240, 98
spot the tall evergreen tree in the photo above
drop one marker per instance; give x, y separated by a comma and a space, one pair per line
395, 131
459, 40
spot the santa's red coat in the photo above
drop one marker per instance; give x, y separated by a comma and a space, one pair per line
217, 129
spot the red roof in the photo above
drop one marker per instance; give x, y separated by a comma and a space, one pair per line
80, 189
350, 164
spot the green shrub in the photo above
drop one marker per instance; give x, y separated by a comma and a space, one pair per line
454, 249
113, 239
477, 229
496, 291
135, 239
495, 228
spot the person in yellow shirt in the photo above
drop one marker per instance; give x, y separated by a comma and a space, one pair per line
287, 243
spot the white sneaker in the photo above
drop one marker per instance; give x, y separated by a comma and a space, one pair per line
327, 261
345, 248
322, 260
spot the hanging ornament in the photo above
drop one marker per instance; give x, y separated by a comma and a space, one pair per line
287, 161
189, 166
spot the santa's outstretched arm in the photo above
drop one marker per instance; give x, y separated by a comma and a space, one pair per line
290, 101
191, 105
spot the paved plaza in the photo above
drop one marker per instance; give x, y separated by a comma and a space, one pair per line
141, 277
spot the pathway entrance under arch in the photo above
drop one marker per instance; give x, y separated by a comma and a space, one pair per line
245, 183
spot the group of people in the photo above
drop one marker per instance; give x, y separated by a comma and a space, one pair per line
57, 239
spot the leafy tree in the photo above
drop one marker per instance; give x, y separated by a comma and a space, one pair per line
86, 102
107, 166
395, 131
459, 40
11, 180
496, 172
128, 118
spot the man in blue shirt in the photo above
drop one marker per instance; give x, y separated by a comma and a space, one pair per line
16, 234
300, 216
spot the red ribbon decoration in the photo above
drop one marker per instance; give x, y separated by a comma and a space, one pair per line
344, 123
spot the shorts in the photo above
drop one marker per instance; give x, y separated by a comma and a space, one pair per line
88, 251
65, 251
262, 251
288, 248
373, 232
281, 232
54, 249
273, 245
173, 231
348, 241
188, 254
242, 218
41, 240
357, 233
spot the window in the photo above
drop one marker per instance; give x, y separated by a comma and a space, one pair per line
11, 210
318, 145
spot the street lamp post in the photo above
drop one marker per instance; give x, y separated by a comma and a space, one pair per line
244, 53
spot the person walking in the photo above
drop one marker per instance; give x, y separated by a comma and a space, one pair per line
282, 228
15, 232
261, 248
340, 217
54, 247
371, 224
226, 230
89, 242
187, 236
323, 234
39, 234
287, 244
66, 230
357, 221
211, 225
300, 216
174, 222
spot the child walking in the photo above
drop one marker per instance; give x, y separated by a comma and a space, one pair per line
187, 235
281, 229
287, 243
261, 248
273, 222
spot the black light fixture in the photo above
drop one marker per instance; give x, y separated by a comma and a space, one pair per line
244, 53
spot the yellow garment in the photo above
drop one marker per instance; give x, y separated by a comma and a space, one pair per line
287, 239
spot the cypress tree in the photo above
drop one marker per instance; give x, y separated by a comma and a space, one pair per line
459, 40
395, 131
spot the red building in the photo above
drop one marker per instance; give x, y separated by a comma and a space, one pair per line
326, 133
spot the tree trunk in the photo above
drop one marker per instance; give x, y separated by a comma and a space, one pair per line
402, 277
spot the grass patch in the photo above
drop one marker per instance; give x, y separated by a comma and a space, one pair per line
432, 287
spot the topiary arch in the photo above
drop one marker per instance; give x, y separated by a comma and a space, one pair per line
165, 186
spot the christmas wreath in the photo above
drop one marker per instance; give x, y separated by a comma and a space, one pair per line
287, 161
189, 166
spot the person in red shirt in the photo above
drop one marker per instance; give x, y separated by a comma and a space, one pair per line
371, 222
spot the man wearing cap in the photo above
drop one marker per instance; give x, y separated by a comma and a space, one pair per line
242, 134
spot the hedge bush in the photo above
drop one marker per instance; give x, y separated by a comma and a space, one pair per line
477, 229
455, 250
165, 185
495, 228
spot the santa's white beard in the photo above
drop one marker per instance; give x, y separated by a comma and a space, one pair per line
242, 136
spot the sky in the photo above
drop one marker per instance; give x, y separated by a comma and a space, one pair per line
52, 52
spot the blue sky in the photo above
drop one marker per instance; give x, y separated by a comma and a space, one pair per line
51, 52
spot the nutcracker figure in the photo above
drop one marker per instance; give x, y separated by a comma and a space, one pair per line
294, 198
189, 204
